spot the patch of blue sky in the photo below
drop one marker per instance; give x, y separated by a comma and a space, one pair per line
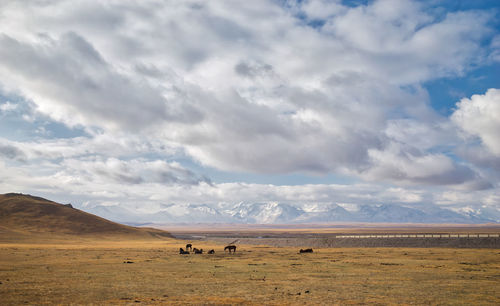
462, 5
354, 3
316, 23
21, 123
437, 8
444, 93
448, 5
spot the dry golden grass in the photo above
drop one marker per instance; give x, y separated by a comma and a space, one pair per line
93, 272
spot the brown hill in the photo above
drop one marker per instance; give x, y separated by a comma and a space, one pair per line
25, 216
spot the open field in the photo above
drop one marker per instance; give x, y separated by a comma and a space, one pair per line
86, 271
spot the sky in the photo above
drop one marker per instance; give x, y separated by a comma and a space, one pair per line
142, 103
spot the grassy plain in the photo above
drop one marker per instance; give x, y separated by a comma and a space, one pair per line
96, 272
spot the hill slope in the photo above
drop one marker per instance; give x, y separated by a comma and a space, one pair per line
24, 216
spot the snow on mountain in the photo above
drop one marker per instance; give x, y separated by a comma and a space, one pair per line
484, 212
264, 213
274, 212
190, 213
329, 213
440, 215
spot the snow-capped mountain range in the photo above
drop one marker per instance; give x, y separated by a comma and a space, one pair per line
282, 213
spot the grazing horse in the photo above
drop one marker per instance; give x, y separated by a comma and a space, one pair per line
211, 251
189, 246
181, 251
306, 251
229, 248
196, 251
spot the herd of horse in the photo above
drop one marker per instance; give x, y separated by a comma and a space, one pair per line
189, 247
229, 248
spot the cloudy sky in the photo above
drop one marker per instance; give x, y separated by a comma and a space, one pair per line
348, 102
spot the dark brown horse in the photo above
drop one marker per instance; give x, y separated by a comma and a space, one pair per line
229, 248
306, 251
181, 251
189, 246
196, 251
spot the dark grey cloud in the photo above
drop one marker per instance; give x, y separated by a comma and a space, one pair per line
406, 164
12, 152
480, 156
132, 172
253, 70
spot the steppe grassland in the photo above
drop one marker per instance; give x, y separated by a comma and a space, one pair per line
94, 271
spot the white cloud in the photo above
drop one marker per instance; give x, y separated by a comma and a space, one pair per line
243, 86
7, 107
480, 116
120, 145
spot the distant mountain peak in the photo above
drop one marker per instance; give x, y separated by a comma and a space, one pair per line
279, 213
